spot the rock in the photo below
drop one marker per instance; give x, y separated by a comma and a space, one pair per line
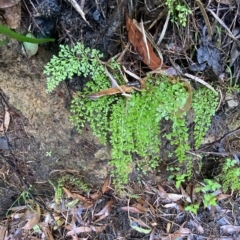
12, 13
103, 154
232, 101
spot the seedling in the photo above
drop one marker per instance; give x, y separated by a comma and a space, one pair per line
192, 208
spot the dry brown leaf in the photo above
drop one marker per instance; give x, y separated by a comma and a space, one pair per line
180, 207
222, 196
162, 193
136, 38
46, 231
34, 220
197, 226
105, 209
68, 193
140, 207
110, 91
170, 205
105, 187
79, 230
182, 232
120, 89
190, 191
143, 202
87, 202
131, 209
102, 217
175, 197
96, 195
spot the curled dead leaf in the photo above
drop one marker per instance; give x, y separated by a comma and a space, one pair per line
105, 187
31, 222
79, 230
175, 197
131, 209
87, 202
143, 48
105, 209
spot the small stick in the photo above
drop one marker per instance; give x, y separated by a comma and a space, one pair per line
79, 10
164, 29
145, 41
206, 19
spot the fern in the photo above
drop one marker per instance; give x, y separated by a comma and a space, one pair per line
131, 124
204, 105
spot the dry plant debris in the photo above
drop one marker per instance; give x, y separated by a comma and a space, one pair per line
158, 211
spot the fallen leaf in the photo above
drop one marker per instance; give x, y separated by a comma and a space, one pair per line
102, 217
180, 207
68, 193
105, 187
222, 196
87, 202
140, 207
96, 195
110, 91
46, 230
162, 193
197, 226
170, 205
136, 38
131, 209
79, 230
182, 232
175, 197
105, 209
34, 220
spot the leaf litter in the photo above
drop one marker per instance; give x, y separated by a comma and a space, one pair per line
158, 209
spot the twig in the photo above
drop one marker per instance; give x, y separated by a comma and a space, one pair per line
79, 10
115, 84
197, 79
150, 39
161, 14
164, 30
229, 33
206, 19
145, 42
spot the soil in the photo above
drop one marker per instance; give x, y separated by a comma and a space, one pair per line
41, 144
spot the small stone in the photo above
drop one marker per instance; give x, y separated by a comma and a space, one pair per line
102, 154
231, 100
